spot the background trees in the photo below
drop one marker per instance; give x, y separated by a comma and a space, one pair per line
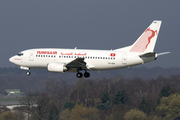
169, 106
35, 104
8, 115
105, 99
135, 115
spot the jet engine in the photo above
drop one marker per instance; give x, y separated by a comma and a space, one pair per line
56, 67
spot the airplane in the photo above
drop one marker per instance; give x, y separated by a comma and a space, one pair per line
77, 60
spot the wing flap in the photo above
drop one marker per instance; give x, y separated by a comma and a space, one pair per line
77, 63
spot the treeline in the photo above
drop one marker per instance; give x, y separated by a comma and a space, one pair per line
104, 99
15, 78
127, 73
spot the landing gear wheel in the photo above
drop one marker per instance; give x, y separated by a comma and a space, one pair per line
86, 74
28, 73
79, 75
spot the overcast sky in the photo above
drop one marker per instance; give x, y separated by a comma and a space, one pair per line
91, 24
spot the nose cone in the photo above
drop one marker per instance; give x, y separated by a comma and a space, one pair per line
16, 60
11, 59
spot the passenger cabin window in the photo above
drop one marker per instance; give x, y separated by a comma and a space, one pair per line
86, 57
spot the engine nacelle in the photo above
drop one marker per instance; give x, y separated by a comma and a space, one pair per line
56, 67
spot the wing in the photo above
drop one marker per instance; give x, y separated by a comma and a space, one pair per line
77, 63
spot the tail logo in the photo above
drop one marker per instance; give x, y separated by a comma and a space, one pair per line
144, 41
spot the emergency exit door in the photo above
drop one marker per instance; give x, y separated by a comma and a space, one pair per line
31, 56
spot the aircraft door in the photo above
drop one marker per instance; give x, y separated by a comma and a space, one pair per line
124, 59
31, 56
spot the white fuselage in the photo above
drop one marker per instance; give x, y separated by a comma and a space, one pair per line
95, 59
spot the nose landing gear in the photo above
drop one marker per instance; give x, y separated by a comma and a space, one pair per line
26, 68
28, 72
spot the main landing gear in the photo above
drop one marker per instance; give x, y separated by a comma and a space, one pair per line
86, 75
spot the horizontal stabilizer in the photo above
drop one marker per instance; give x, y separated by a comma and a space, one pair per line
163, 53
150, 54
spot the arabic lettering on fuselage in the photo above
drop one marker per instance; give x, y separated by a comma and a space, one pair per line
66, 53
80, 54
71, 53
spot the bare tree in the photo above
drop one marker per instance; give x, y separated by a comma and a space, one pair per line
35, 104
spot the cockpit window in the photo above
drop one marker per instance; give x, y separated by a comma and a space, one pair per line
20, 54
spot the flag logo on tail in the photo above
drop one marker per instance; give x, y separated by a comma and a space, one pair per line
143, 42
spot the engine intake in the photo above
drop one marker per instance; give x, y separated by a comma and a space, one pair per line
56, 67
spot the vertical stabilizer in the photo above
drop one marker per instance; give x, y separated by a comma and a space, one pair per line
146, 42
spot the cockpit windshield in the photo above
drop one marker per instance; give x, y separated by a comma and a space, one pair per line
20, 54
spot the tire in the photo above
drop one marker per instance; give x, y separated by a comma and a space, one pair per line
79, 75
86, 74
28, 73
